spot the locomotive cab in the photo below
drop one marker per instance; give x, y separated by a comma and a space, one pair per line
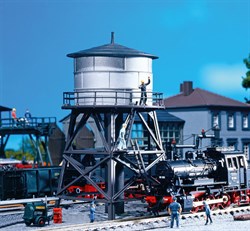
237, 170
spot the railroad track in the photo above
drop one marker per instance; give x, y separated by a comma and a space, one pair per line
146, 223
13, 217
17, 205
10, 218
11, 211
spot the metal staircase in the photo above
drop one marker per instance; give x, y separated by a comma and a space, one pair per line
140, 164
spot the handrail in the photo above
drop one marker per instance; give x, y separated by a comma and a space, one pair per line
33, 122
115, 97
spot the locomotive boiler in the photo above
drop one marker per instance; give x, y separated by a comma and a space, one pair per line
185, 171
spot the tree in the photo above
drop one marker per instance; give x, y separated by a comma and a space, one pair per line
246, 80
26, 149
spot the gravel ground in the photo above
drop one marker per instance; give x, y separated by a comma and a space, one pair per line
79, 214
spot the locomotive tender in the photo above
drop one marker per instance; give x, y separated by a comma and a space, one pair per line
217, 176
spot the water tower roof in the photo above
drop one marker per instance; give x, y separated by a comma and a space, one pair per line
111, 50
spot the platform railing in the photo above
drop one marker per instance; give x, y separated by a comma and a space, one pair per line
33, 122
110, 97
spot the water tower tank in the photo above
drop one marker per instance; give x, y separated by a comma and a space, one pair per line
111, 74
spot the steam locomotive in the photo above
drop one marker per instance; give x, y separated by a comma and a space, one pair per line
220, 177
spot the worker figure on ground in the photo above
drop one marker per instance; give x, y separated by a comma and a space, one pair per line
92, 212
143, 88
207, 212
122, 143
174, 211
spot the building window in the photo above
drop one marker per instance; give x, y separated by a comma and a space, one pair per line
215, 120
245, 121
170, 132
137, 133
231, 121
246, 146
246, 150
232, 142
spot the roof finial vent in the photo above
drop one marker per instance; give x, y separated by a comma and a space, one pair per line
112, 37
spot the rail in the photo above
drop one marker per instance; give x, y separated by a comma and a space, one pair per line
162, 222
32, 122
110, 97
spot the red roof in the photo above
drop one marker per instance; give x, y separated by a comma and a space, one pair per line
199, 97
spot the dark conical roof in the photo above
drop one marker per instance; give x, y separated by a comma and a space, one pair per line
112, 50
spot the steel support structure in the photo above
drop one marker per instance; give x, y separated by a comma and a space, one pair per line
102, 169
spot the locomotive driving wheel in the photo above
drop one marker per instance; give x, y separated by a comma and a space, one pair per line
195, 209
212, 205
226, 201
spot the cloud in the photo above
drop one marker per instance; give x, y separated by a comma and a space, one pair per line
223, 78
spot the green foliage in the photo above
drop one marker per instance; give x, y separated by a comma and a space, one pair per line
246, 80
18, 154
247, 62
26, 149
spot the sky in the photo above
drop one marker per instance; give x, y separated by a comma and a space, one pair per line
204, 41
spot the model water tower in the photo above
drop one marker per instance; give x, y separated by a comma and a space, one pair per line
111, 74
106, 89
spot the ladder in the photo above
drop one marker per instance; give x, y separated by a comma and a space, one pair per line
140, 163
129, 121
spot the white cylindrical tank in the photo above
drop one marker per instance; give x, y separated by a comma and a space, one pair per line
111, 75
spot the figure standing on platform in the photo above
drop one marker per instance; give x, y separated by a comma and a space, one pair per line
14, 118
143, 88
27, 116
122, 143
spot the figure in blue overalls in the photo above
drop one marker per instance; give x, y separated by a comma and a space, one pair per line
143, 88
174, 210
92, 212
